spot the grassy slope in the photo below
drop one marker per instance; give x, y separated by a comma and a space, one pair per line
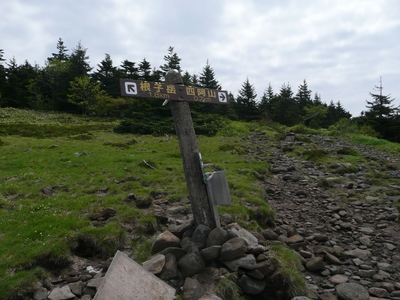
57, 170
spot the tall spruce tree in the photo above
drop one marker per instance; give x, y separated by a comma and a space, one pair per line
129, 70
15, 92
62, 51
144, 70
78, 62
267, 102
381, 105
382, 113
303, 97
172, 61
246, 106
207, 78
108, 76
3, 77
286, 110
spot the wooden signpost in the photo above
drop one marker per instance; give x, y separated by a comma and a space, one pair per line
173, 89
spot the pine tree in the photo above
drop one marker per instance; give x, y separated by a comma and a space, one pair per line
303, 97
246, 106
14, 92
62, 51
128, 69
3, 77
267, 102
382, 115
172, 61
108, 76
207, 78
144, 70
380, 107
286, 109
78, 62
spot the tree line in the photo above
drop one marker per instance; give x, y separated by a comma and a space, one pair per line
67, 83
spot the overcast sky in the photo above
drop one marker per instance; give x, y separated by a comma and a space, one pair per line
340, 47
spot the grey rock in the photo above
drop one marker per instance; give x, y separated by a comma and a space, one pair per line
217, 236
178, 252
192, 289
191, 264
250, 285
76, 288
62, 293
338, 278
366, 273
200, 234
165, 240
365, 241
155, 264
315, 263
295, 239
170, 269
249, 238
389, 246
40, 293
265, 267
379, 292
234, 248
384, 266
352, 291
247, 262
211, 253
332, 258
319, 237
358, 253
270, 235
366, 230
95, 282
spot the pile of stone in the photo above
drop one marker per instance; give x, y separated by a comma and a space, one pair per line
195, 258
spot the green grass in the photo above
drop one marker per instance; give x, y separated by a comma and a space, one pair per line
289, 264
58, 170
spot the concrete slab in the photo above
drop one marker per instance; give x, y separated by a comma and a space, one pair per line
127, 280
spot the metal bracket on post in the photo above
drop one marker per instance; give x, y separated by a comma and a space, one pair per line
202, 168
217, 190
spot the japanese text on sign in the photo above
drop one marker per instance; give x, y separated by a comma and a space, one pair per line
146, 89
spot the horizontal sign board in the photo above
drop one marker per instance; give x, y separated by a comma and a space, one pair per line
147, 89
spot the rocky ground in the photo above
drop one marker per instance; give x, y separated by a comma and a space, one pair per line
340, 219
344, 219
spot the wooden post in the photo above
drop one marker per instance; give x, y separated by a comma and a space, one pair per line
191, 162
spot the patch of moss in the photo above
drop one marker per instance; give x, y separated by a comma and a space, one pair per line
234, 149
348, 151
315, 154
304, 139
227, 288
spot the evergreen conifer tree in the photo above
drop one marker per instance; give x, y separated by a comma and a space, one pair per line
172, 61
207, 78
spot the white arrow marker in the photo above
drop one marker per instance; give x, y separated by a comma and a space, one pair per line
131, 88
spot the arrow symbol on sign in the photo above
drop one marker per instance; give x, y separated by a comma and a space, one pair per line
131, 88
222, 97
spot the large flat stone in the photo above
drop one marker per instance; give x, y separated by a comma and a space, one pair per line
126, 279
